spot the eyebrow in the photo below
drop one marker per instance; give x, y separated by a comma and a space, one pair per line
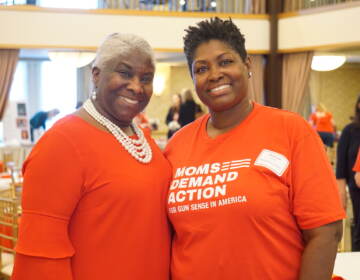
130, 68
124, 64
204, 61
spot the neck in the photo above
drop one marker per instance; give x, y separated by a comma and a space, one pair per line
89, 119
124, 126
221, 122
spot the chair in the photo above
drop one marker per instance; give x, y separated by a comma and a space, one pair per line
9, 215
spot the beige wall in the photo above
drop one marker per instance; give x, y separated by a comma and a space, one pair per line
36, 27
337, 90
324, 28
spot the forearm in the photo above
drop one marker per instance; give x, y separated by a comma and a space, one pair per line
29, 267
342, 191
318, 258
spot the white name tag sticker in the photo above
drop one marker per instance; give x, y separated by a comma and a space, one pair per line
274, 161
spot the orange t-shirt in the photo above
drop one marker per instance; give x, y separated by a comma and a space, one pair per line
238, 202
357, 163
90, 210
323, 121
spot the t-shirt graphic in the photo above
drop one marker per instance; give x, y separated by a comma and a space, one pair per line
205, 186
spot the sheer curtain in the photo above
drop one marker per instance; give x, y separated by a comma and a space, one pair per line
256, 82
8, 61
84, 84
55, 93
296, 72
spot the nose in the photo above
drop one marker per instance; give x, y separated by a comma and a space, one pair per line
135, 85
215, 73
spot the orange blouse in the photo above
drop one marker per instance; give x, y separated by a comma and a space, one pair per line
90, 210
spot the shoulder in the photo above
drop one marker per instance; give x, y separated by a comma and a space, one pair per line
276, 114
186, 132
283, 121
65, 132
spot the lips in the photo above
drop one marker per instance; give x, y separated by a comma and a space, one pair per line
219, 90
129, 100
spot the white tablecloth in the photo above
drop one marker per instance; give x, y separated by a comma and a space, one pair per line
347, 265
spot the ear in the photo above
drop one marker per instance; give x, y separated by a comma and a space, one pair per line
95, 76
248, 63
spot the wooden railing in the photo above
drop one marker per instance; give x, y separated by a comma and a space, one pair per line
296, 5
217, 6
213, 6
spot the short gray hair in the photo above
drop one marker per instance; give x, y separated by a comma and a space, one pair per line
118, 44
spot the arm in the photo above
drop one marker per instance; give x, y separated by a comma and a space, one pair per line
320, 251
342, 191
52, 189
316, 207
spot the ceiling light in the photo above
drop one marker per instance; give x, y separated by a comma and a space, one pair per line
213, 4
327, 62
74, 58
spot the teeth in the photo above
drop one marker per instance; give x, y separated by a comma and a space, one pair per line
219, 88
131, 101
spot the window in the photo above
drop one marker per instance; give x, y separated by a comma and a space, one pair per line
58, 89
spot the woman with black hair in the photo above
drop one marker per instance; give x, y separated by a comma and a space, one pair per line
347, 151
253, 195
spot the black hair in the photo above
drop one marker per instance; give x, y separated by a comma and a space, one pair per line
213, 29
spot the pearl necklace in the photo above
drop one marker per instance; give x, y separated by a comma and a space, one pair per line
137, 148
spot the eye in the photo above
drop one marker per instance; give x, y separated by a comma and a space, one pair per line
225, 62
125, 74
200, 69
147, 79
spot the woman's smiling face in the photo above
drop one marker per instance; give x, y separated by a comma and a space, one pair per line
124, 91
220, 75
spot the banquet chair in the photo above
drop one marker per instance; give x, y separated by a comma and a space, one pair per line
9, 216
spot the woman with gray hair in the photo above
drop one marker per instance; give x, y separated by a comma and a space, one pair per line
95, 185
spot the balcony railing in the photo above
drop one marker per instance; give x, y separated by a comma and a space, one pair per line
219, 6
296, 5
213, 6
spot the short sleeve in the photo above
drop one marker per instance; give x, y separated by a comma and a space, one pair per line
314, 192
52, 188
357, 163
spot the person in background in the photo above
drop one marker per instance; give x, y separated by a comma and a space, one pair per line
253, 195
95, 185
322, 120
347, 151
188, 109
79, 104
172, 117
39, 121
357, 170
